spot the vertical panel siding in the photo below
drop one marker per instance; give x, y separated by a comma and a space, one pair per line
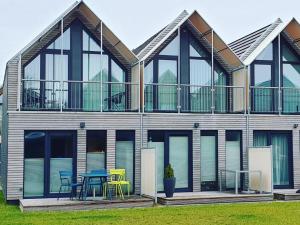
296, 158
81, 151
111, 146
12, 84
196, 160
221, 152
15, 164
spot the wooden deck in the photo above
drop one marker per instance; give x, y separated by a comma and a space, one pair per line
63, 204
286, 195
187, 198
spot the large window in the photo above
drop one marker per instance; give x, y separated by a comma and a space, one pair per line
263, 91
81, 69
290, 80
96, 150
125, 145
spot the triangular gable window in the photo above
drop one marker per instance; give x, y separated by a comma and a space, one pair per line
266, 54
57, 43
89, 44
196, 53
288, 55
172, 48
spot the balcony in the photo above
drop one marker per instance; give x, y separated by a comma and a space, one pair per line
273, 100
187, 98
91, 96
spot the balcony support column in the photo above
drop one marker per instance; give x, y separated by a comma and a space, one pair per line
19, 83
212, 74
101, 65
62, 64
179, 75
279, 77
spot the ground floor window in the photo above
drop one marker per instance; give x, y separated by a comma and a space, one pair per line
125, 145
209, 160
233, 156
281, 142
46, 153
96, 150
173, 147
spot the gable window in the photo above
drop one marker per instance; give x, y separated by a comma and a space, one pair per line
72, 73
290, 80
263, 90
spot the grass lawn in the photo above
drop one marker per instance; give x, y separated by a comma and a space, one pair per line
253, 213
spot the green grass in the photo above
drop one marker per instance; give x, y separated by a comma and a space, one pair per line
252, 213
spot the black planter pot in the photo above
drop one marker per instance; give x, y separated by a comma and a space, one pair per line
169, 186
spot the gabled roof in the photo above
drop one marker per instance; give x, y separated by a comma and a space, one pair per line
291, 30
240, 46
92, 22
199, 27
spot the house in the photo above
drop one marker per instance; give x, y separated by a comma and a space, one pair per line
76, 98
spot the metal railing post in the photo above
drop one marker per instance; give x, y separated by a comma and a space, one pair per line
212, 74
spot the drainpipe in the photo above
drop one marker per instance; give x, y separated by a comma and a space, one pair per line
279, 78
19, 83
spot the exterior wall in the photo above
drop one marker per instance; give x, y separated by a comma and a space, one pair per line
20, 121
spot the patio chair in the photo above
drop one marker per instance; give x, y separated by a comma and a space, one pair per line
115, 181
123, 181
66, 182
94, 182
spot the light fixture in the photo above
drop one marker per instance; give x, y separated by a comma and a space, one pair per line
82, 125
196, 125
295, 125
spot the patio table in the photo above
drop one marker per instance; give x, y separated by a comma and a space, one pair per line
86, 181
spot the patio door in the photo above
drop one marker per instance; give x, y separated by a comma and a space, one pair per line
178, 154
208, 160
61, 156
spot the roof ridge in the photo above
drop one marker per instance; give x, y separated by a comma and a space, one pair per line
255, 44
163, 32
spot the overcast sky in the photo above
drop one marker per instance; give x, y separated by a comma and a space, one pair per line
133, 21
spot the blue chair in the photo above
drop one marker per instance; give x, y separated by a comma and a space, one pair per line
67, 182
97, 182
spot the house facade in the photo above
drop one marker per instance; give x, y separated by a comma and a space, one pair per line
76, 98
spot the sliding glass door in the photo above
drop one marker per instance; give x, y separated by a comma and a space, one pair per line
46, 154
125, 154
233, 156
208, 160
173, 147
282, 155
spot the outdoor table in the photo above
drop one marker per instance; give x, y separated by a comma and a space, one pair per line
86, 181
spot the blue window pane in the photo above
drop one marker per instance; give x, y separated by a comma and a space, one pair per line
172, 48
288, 55
266, 54
57, 44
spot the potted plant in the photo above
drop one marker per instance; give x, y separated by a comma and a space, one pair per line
169, 181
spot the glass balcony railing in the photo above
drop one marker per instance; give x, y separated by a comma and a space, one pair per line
93, 96
187, 98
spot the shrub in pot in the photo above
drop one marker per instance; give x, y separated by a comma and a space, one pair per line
169, 181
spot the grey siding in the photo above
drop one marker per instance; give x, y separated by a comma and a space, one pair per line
12, 84
196, 160
20, 121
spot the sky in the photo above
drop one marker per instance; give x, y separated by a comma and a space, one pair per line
133, 21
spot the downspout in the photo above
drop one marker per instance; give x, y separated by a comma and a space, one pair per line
19, 83
101, 68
